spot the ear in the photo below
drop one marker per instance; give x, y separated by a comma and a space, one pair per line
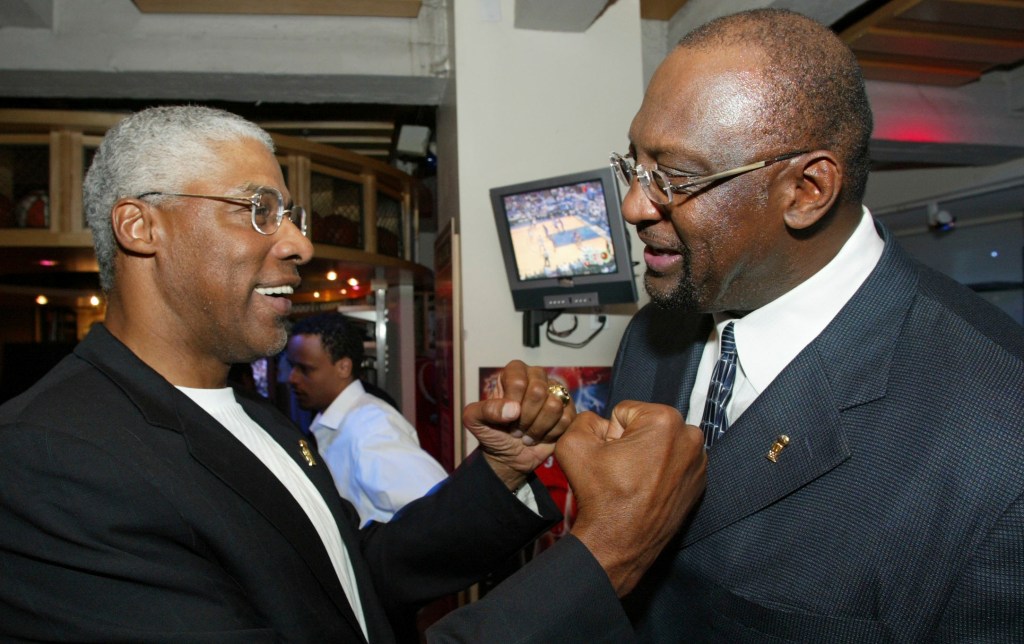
813, 189
133, 223
344, 368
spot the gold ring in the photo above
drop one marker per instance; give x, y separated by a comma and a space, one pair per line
560, 392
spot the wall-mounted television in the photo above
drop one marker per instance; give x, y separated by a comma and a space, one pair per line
564, 242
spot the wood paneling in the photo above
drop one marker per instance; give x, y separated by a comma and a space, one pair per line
938, 42
659, 9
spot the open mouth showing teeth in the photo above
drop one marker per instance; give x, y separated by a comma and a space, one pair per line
275, 290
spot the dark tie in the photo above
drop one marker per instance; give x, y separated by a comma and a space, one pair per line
714, 422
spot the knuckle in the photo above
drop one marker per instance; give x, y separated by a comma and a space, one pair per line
537, 388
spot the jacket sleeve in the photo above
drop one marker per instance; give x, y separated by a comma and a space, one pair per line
466, 527
561, 596
987, 603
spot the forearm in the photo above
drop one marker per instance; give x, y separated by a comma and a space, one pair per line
563, 595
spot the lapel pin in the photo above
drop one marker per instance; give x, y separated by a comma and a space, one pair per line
779, 444
306, 452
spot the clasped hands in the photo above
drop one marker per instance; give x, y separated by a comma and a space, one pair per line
635, 475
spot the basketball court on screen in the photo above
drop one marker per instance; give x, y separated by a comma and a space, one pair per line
561, 246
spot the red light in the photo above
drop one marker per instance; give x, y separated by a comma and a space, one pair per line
910, 128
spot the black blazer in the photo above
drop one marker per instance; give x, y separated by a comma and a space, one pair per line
129, 514
896, 511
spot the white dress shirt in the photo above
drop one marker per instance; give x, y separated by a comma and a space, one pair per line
769, 338
374, 454
221, 404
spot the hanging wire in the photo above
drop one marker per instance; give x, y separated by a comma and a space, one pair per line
553, 335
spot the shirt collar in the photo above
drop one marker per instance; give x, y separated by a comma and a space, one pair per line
768, 338
331, 417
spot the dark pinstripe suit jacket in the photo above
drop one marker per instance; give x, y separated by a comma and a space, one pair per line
896, 512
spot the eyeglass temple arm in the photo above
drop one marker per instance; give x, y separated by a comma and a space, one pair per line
739, 170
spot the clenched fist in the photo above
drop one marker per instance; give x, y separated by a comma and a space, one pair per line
635, 476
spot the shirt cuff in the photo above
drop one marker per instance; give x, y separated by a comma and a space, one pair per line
526, 497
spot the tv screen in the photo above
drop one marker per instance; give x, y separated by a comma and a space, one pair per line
564, 241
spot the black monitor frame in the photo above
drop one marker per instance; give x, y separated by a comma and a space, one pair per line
576, 291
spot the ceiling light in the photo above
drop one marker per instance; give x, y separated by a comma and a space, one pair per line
42, 300
331, 276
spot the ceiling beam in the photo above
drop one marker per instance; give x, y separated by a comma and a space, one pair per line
32, 14
659, 9
370, 8
573, 16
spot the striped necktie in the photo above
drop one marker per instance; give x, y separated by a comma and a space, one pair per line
714, 421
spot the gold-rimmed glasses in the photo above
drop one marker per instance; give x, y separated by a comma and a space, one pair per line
266, 207
657, 184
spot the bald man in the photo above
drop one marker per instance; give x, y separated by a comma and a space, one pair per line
862, 415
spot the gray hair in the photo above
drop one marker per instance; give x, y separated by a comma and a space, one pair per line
157, 149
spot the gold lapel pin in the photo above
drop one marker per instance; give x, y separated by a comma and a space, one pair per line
306, 452
780, 443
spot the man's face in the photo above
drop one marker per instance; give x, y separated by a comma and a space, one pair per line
221, 281
711, 250
315, 380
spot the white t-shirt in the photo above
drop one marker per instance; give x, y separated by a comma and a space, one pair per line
221, 404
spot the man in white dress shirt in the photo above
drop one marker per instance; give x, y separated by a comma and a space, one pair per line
372, 451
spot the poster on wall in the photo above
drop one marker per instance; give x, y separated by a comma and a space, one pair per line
589, 388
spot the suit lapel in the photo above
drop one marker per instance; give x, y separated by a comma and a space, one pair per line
682, 368
845, 366
216, 449
741, 479
220, 452
346, 518
664, 350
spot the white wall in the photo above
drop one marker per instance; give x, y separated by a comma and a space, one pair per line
532, 104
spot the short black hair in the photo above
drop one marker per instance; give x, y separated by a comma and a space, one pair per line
819, 100
339, 337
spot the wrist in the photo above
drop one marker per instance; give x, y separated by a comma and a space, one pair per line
513, 479
623, 570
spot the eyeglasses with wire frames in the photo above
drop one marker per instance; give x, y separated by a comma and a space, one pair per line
659, 188
266, 207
